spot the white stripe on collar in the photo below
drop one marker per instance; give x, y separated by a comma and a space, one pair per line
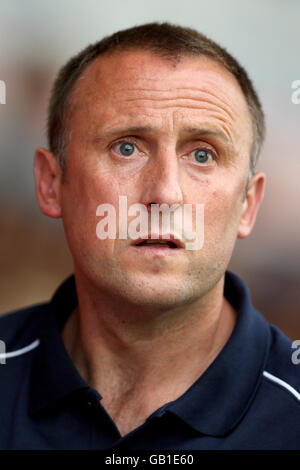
281, 382
21, 351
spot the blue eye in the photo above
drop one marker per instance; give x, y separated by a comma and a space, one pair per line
127, 149
202, 155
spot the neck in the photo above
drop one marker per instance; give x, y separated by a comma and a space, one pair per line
122, 347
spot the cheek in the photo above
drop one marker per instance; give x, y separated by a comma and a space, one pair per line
88, 187
221, 213
82, 194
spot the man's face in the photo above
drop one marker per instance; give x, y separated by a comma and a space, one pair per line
189, 134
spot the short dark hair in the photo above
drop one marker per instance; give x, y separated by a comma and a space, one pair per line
166, 40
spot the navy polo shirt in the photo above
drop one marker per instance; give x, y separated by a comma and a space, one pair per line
248, 398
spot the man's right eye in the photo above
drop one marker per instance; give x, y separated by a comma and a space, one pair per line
126, 149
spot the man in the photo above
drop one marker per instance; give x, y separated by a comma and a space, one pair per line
150, 345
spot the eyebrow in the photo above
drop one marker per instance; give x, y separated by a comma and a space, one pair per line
124, 130
196, 131
203, 131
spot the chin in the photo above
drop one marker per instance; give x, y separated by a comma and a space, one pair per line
157, 295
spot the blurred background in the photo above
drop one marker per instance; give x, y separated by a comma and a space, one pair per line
38, 37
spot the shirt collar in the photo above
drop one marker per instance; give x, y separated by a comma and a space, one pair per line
213, 405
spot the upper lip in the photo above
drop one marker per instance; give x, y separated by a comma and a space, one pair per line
166, 237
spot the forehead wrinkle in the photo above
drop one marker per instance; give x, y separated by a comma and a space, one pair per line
202, 95
200, 92
152, 82
223, 106
215, 111
212, 114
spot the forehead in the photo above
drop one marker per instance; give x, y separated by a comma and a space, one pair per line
138, 84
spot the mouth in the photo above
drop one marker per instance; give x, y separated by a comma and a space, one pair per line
159, 245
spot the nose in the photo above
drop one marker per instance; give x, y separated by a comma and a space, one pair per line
162, 181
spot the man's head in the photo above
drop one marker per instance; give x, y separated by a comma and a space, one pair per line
158, 129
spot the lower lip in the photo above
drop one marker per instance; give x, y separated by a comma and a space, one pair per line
157, 250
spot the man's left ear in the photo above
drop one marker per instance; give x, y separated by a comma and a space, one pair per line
251, 204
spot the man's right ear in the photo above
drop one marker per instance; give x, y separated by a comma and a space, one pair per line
48, 178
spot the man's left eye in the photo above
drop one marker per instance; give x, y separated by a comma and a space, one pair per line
126, 149
202, 155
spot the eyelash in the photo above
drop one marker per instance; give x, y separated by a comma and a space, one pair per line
132, 142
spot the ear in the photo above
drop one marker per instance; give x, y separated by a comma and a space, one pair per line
251, 204
47, 174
